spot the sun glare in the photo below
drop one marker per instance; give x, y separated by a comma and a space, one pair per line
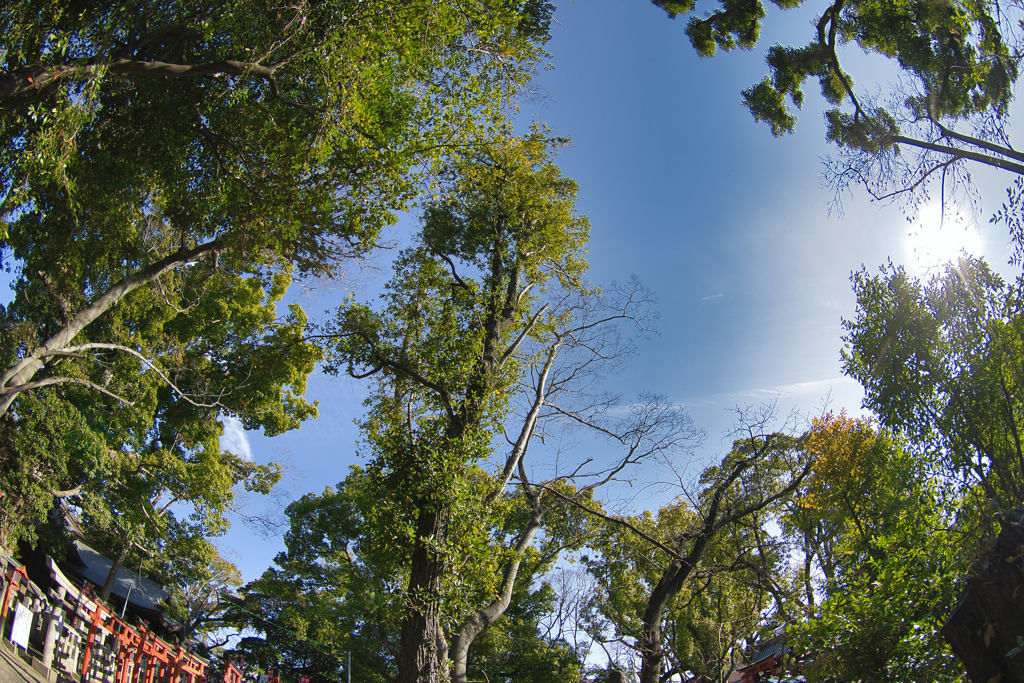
935, 240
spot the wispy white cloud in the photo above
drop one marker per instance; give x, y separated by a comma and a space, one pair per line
834, 304
713, 296
794, 403
234, 438
838, 391
816, 388
841, 389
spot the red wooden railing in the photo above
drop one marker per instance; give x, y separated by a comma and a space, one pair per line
164, 662
136, 647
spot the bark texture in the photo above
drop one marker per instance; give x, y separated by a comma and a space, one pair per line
479, 621
423, 654
984, 628
43, 76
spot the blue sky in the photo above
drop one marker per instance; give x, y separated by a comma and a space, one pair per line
728, 225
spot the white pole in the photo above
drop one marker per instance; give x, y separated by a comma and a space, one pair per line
130, 584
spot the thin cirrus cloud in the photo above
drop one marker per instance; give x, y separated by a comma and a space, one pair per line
838, 391
788, 406
234, 438
810, 388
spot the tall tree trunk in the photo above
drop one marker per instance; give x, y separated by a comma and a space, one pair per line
682, 566
651, 652
424, 651
672, 579
477, 623
985, 627
423, 655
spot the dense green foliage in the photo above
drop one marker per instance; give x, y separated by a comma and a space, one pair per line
940, 362
873, 518
333, 593
685, 588
150, 468
166, 170
302, 120
706, 621
486, 325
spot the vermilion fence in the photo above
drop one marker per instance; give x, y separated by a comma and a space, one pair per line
67, 630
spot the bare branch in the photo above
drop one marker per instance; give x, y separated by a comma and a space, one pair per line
125, 349
54, 381
17, 378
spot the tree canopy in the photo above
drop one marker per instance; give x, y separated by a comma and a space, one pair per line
261, 139
447, 353
880, 565
938, 360
166, 171
169, 171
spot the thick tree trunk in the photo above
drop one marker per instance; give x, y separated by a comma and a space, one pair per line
649, 643
679, 570
423, 655
424, 651
672, 580
986, 624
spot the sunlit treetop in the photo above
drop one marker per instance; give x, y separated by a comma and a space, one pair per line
296, 127
962, 55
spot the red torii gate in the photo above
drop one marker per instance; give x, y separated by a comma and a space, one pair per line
12, 579
231, 674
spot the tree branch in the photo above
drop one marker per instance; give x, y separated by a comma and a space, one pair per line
72, 350
18, 377
987, 159
40, 76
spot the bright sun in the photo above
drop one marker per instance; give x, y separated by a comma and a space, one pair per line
935, 240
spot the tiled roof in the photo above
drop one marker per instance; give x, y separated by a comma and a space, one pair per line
141, 591
767, 649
